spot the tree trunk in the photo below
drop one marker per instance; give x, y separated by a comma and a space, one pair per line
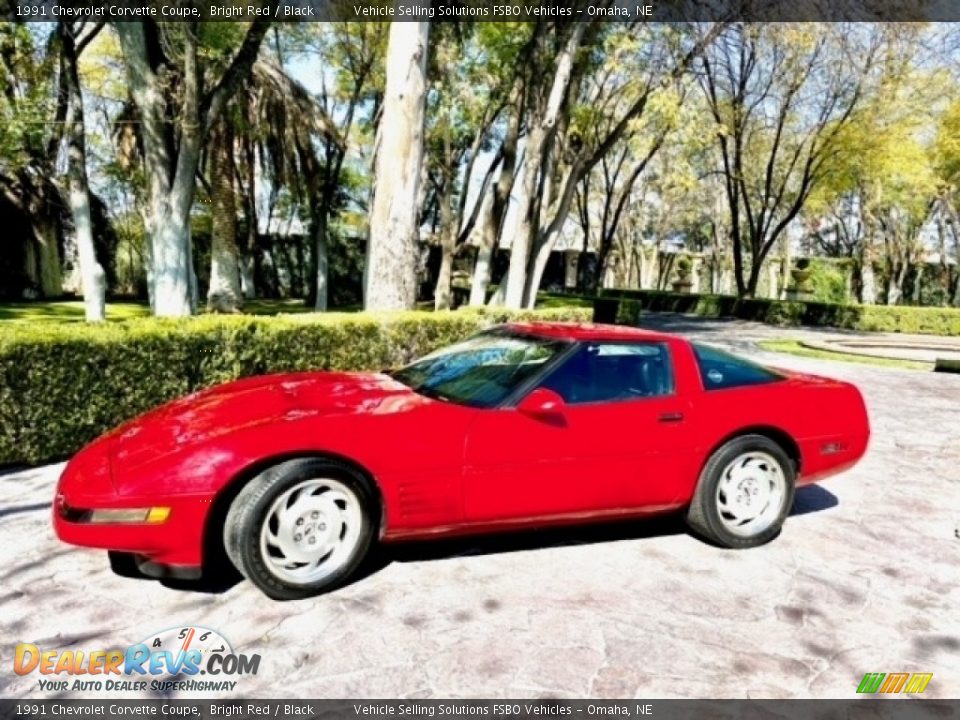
393, 247
169, 237
898, 272
483, 265
786, 262
526, 222
944, 274
321, 261
917, 283
496, 209
248, 265
170, 177
148, 275
224, 294
44, 262
868, 278
92, 276
442, 294
548, 237
750, 290
541, 257
442, 299
543, 128
248, 287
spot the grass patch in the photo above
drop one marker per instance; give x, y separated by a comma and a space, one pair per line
71, 311
67, 311
559, 300
793, 347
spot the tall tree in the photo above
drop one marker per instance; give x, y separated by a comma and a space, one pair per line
356, 50
508, 47
165, 70
32, 114
878, 187
946, 159
546, 98
73, 39
224, 293
577, 118
393, 246
469, 96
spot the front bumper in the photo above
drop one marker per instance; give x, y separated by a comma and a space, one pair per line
175, 543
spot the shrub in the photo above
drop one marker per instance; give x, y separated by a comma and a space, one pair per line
946, 365
828, 280
868, 318
63, 385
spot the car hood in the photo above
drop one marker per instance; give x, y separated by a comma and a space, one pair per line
246, 403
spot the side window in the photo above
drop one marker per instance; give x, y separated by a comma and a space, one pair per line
605, 372
719, 370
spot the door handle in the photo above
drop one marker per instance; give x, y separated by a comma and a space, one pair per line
671, 417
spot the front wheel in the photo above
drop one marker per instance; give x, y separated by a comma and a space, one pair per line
744, 494
301, 527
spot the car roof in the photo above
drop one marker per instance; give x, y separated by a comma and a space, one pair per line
585, 331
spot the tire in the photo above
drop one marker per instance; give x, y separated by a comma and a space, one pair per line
302, 527
125, 565
750, 474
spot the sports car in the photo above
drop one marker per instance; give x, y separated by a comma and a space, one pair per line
293, 478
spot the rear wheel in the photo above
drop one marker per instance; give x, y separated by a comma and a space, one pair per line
744, 494
301, 527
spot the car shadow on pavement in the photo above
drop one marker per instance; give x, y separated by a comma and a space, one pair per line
18, 509
215, 583
536, 539
813, 498
219, 575
809, 499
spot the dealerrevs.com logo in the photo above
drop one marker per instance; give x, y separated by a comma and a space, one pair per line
184, 659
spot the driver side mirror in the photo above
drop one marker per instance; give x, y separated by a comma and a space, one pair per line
542, 404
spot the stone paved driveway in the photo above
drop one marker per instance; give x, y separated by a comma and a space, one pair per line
865, 577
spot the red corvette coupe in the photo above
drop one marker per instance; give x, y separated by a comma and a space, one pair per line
295, 476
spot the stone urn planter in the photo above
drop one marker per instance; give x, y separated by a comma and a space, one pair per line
683, 283
801, 288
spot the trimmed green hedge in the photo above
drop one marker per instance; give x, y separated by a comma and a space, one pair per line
868, 318
946, 365
63, 385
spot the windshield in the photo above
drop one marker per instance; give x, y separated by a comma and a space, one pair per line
481, 371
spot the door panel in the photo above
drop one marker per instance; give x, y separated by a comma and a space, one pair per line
594, 458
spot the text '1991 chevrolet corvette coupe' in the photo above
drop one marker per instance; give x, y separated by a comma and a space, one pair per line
296, 476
